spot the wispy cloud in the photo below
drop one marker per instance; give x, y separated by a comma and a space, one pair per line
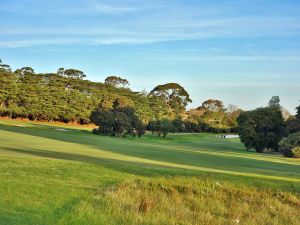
67, 8
134, 22
231, 58
248, 85
112, 9
73, 41
142, 33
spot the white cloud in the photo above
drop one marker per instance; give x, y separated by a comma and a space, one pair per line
111, 9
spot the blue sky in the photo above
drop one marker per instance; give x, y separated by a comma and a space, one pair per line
240, 51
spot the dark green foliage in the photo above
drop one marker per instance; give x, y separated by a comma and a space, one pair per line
164, 127
287, 145
178, 125
118, 121
153, 126
298, 112
293, 123
161, 127
275, 102
261, 129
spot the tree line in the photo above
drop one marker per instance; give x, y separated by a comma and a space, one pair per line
66, 96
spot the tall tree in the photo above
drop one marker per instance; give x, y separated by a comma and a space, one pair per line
274, 102
261, 129
175, 96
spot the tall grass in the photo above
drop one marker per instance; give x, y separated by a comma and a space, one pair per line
194, 201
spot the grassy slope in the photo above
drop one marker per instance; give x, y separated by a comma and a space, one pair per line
49, 176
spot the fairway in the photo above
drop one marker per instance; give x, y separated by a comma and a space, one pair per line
53, 175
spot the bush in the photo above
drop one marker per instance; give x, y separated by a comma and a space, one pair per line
118, 121
296, 152
290, 146
261, 129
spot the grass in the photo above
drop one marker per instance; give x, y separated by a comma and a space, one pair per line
194, 201
54, 176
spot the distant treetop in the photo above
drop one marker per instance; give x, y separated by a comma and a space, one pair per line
116, 81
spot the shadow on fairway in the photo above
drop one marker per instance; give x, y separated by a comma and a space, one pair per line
141, 169
163, 152
153, 170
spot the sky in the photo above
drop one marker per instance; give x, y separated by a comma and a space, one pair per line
240, 51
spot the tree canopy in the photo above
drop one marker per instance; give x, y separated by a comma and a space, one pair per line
66, 96
175, 96
120, 120
71, 73
213, 105
261, 129
116, 81
274, 102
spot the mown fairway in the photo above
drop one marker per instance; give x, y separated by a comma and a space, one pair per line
50, 175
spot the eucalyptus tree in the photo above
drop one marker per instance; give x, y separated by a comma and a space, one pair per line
175, 96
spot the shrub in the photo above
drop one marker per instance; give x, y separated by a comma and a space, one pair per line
287, 145
296, 152
118, 121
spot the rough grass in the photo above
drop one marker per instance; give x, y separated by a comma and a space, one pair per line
194, 201
53, 177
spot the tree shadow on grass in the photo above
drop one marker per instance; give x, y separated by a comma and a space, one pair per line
153, 170
136, 168
162, 152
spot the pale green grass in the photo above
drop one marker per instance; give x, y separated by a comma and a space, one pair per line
49, 176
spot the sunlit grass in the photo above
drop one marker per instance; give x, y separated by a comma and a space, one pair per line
196, 201
52, 176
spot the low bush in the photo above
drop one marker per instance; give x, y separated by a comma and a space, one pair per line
290, 146
296, 152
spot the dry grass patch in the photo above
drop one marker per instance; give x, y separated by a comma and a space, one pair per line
192, 201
